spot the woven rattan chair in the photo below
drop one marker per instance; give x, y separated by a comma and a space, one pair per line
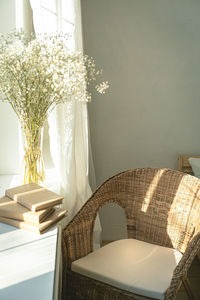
162, 208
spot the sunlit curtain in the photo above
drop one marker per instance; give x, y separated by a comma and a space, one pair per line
68, 123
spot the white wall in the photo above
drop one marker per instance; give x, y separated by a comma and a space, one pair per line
149, 51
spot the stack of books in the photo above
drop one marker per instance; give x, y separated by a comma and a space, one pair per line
31, 207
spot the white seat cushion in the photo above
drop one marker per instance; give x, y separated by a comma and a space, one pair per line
131, 265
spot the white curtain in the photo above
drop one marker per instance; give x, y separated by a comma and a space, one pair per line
68, 123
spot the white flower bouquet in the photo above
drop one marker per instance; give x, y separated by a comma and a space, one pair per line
36, 74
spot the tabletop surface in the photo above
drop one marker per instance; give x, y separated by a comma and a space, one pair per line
27, 264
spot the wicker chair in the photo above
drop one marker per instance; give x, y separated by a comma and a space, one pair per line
162, 207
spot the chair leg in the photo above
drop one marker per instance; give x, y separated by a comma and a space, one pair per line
188, 289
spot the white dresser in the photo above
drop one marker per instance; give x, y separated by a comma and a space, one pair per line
28, 264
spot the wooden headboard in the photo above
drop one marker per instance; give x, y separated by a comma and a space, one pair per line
183, 163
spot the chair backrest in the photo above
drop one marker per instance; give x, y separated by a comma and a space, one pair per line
162, 206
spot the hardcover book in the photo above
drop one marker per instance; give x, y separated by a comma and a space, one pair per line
57, 215
34, 199
14, 192
11, 209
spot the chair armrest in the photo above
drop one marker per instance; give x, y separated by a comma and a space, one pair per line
181, 269
77, 237
77, 241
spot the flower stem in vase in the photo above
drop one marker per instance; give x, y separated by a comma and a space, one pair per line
33, 162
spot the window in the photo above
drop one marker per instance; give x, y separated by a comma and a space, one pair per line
55, 15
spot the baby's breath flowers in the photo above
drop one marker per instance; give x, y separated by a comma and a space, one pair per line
36, 74
101, 88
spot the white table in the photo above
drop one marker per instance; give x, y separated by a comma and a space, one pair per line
28, 264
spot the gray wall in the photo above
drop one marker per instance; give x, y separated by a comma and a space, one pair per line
150, 53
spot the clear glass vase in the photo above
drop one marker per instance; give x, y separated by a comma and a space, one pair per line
33, 165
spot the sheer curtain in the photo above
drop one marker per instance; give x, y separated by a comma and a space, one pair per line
68, 123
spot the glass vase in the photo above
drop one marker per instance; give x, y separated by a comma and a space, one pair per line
33, 165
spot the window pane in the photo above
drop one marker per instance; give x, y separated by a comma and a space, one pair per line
68, 12
69, 28
50, 24
9, 137
49, 4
